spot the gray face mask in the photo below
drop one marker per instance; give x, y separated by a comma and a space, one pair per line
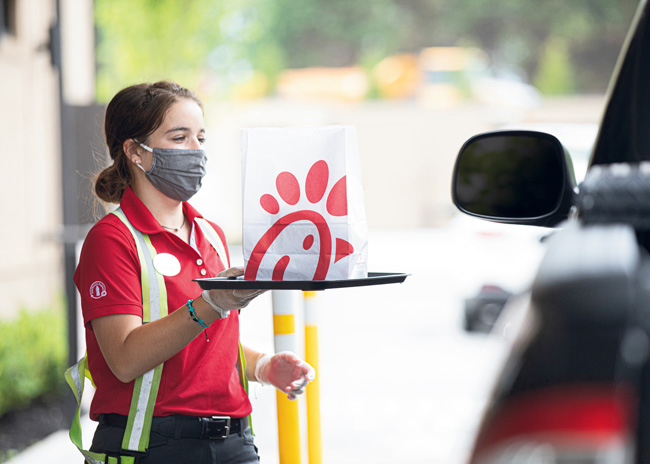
176, 172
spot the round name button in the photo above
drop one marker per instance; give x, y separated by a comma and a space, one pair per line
166, 264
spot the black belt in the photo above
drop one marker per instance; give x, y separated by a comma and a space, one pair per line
207, 428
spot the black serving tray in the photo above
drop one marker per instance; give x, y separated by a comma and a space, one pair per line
374, 278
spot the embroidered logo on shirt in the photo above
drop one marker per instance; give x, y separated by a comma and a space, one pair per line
97, 290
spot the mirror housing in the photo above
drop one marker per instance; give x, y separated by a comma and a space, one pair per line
514, 177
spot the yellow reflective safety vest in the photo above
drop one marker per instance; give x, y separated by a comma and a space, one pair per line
145, 390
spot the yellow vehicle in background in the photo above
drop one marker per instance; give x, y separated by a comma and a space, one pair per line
448, 74
437, 76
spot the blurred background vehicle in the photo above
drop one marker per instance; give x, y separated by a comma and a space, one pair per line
483, 309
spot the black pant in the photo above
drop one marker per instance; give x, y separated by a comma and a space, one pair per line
238, 448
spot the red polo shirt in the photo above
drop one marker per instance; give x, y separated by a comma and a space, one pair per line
202, 379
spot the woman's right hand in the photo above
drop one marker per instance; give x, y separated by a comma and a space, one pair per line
225, 300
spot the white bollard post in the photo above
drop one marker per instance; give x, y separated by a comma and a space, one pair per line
284, 336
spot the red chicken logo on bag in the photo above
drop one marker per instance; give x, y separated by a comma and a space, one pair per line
289, 191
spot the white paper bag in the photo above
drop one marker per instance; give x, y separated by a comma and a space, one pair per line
303, 208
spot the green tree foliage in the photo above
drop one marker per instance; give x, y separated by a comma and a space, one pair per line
147, 40
555, 75
334, 32
516, 33
212, 45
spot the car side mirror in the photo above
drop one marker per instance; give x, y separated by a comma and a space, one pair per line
516, 177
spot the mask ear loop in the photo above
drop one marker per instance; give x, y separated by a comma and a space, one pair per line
149, 149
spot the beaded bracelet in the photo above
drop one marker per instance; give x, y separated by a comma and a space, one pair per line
195, 318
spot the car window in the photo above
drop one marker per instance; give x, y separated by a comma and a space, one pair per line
625, 131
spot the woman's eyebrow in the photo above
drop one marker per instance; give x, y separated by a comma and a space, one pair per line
182, 129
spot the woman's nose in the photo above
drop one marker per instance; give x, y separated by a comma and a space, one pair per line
195, 144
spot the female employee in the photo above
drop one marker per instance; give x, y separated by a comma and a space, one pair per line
155, 135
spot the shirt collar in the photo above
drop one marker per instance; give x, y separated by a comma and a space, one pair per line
141, 217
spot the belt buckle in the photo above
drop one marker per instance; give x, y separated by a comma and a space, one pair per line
217, 427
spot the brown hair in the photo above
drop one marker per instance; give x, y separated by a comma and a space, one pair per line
134, 113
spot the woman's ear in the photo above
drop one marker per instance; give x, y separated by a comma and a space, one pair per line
131, 151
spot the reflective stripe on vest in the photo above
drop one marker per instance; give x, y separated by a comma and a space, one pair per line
75, 378
154, 306
145, 389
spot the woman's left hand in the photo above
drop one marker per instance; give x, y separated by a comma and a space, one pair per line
286, 372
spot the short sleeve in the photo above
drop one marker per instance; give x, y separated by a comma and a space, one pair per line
108, 274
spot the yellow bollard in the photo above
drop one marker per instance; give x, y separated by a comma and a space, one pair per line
313, 389
284, 336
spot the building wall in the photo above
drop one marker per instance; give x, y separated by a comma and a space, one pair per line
31, 272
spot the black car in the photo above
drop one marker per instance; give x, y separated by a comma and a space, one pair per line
576, 385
